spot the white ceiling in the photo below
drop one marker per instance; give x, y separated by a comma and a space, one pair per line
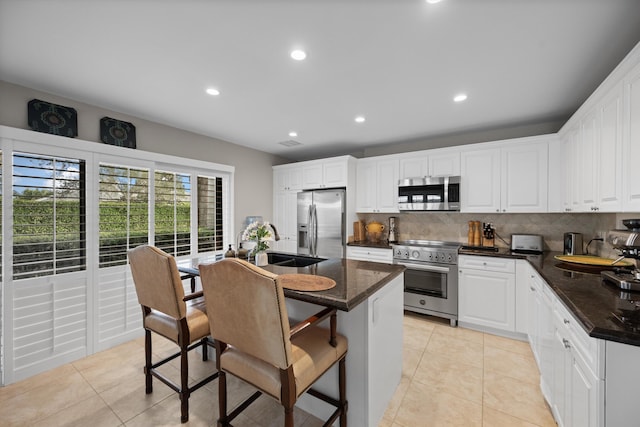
397, 62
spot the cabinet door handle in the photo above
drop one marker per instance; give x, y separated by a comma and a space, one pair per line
566, 321
532, 288
566, 343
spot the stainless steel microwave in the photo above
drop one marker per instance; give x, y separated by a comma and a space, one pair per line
429, 194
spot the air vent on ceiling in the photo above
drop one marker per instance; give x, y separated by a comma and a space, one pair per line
289, 143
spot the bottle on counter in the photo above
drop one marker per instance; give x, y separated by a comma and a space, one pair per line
243, 253
230, 253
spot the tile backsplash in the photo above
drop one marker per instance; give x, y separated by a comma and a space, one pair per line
453, 226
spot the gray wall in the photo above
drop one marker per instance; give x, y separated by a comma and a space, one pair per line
253, 173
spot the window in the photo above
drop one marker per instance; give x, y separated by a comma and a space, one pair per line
173, 212
124, 212
48, 215
210, 210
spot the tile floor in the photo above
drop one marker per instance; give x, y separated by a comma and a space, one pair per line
451, 377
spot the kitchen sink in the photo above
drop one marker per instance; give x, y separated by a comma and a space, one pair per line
292, 260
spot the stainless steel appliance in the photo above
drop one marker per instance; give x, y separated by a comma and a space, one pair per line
527, 243
628, 243
429, 194
321, 223
573, 244
431, 277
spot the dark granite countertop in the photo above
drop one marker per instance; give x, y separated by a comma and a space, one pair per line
355, 280
381, 244
582, 292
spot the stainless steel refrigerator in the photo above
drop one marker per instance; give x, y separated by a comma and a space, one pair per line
321, 223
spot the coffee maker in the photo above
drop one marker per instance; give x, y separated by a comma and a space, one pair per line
393, 237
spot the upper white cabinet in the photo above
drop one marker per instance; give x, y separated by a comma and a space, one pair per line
524, 177
480, 180
631, 141
440, 162
444, 163
601, 144
287, 178
509, 177
377, 184
326, 173
598, 151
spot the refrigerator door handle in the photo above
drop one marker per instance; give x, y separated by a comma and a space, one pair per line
313, 230
310, 229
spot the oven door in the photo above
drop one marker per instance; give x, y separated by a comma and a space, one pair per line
426, 279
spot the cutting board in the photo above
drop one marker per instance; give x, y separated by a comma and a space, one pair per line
592, 260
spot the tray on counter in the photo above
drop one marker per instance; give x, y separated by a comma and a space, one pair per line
593, 260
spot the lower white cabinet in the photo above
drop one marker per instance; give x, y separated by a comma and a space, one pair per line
370, 254
577, 396
486, 292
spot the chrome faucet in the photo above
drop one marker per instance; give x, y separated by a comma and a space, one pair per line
276, 236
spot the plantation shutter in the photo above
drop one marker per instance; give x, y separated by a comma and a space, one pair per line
173, 212
210, 211
49, 215
124, 212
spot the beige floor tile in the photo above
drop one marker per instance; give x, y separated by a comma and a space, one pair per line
128, 398
460, 333
511, 364
521, 347
427, 323
410, 360
457, 350
443, 375
415, 338
396, 400
269, 413
420, 408
90, 412
40, 380
40, 402
493, 418
517, 398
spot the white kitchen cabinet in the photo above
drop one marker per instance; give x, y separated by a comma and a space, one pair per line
577, 398
631, 141
370, 254
486, 292
444, 163
599, 151
511, 176
286, 178
285, 218
377, 184
557, 186
524, 177
480, 180
413, 165
326, 173
571, 196
441, 162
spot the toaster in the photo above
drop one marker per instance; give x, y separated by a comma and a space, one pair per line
532, 243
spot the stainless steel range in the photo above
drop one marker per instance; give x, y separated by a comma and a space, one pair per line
431, 277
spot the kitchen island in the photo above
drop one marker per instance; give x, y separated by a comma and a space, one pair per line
369, 299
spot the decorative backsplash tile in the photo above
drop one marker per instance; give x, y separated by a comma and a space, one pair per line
453, 226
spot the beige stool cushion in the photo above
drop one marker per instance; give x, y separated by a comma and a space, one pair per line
167, 326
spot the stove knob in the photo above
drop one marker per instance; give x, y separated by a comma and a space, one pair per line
405, 254
449, 258
441, 257
415, 254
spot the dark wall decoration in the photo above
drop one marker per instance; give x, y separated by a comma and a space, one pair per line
117, 132
51, 118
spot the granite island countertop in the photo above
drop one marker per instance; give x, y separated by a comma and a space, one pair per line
355, 280
583, 293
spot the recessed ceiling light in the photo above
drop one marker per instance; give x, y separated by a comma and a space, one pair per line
460, 97
433, 1
298, 54
360, 119
293, 134
213, 91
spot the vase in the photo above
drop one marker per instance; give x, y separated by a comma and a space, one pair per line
262, 259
